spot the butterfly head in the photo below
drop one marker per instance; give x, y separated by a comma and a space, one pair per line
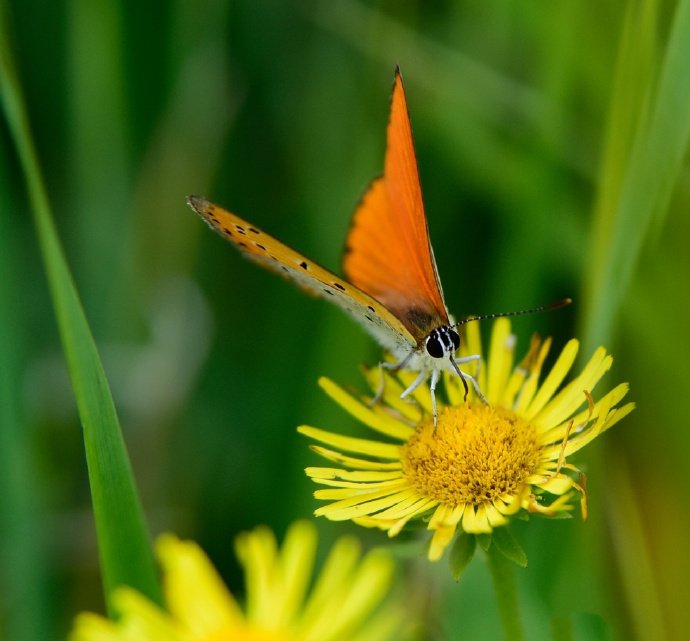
441, 342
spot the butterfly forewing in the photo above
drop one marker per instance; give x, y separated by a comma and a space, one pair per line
274, 255
388, 254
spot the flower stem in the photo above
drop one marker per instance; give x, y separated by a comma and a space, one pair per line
505, 586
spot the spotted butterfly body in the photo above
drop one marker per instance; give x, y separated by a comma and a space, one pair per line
392, 286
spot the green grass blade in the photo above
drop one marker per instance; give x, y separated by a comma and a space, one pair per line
123, 542
23, 563
635, 559
646, 186
648, 134
628, 109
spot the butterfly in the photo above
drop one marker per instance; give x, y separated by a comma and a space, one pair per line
391, 283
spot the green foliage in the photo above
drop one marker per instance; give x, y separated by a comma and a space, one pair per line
125, 554
461, 553
23, 548
647, 142
508, 546
502, 573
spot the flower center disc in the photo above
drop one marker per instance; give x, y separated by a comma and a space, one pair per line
477, 453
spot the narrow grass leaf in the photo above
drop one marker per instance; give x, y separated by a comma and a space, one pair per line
628, 110
23, 570
646, 187
123, 542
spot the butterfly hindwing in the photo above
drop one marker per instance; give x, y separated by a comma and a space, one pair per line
278, 257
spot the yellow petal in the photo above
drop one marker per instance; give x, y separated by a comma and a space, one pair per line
528, 390
405, 508
553, 380
392, 389
475, 522
420, 507
372, 477
469, 347
92, 627
557, 484
519, 374
351, 444
348, 493
378, 421
500, 360
571, 397
195, 593
494, 516
352, 462
362, 505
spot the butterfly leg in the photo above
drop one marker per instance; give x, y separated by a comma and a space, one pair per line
393, 367
379, 390
435, 375
464, 376
481, 396
421, 377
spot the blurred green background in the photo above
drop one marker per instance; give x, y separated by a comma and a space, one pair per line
525, 117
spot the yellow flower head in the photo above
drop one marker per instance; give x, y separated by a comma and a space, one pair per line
280, 606
482, 462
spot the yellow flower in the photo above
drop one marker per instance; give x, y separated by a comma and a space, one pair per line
279, 604
483, 462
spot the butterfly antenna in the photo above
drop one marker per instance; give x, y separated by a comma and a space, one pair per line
521, 312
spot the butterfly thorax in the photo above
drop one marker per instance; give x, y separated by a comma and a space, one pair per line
420, 322
432, 332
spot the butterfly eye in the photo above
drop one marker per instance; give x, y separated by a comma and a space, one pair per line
434, 345
455, 337
442, 341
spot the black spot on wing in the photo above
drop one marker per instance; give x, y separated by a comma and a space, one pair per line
339, 286
371, 309
254, 231
240, 229
260, 246
328, 291
304, 265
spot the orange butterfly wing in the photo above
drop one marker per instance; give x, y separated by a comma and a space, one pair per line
388, 254
310, 276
